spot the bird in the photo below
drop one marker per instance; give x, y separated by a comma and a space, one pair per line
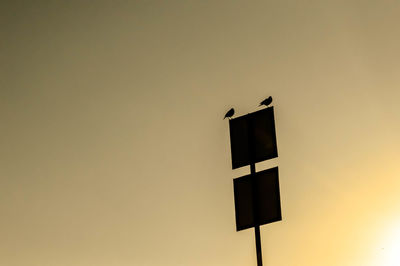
230, 113
267, 101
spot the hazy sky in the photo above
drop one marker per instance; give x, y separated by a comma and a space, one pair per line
113, 151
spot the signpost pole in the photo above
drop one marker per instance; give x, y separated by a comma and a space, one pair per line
250, 128
258, 245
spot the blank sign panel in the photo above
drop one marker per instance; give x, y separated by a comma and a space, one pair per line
257, 199
253, 138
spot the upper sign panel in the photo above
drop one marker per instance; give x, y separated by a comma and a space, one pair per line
253, 138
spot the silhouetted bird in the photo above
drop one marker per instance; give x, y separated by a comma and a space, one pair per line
267, 101
230, 113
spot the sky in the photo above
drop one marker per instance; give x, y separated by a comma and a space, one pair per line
114, 151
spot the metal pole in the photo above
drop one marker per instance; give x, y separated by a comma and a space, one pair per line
258, 245
257, 227
250, 128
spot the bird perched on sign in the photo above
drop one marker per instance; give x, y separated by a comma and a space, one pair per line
267, 101
230, 113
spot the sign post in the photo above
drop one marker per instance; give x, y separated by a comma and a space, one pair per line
257, 196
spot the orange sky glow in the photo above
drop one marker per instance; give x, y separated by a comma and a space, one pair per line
114, 151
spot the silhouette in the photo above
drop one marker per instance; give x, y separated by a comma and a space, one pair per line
267, 101
257, 196
230, 113
253, 137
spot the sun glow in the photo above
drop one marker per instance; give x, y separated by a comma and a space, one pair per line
391, 248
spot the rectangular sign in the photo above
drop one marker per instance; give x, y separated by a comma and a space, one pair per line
257, 199
253, 138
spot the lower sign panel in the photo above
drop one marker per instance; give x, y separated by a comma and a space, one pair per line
257, 199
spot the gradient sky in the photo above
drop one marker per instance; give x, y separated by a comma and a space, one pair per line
114, 151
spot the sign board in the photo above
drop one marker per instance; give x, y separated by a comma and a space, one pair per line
253, 138
257, 199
